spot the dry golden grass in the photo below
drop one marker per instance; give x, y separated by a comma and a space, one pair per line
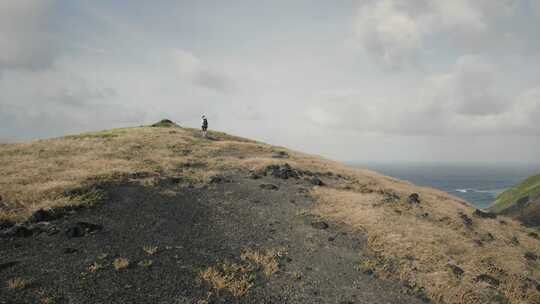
47, 300
412, 243
36, 175
150, 250
41, 173
267, 260
236, 279
16, 283
120, 263
417, 248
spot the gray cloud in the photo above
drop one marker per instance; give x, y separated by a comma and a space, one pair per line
466, 101
26, 39
390, 36
429, 76
535, 5
201, 74
471, 88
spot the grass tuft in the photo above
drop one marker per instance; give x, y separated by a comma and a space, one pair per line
267, 260
231, 277
120, 264
94, 267
47, 300
16, 283
145, 263
150, 250
238, 278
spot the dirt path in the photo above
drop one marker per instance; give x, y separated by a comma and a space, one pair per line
193, 228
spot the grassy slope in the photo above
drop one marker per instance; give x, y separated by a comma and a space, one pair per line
529, 187
413, 243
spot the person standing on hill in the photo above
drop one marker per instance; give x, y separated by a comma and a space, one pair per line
204, 126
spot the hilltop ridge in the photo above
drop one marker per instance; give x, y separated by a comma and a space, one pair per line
236, 219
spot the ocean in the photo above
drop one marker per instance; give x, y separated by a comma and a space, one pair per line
478, 184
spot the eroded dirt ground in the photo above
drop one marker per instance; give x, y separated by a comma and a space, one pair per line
194, 228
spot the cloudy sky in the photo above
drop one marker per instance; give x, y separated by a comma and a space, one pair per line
372, 80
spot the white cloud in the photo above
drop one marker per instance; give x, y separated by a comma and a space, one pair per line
25, 39
396, 32
387, 33
455, 15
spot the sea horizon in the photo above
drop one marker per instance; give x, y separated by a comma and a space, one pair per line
478, 183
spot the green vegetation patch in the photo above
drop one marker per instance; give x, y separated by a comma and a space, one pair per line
86, 196
99, 135
529, 187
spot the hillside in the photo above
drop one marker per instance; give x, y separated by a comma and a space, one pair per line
521, 201
162, 215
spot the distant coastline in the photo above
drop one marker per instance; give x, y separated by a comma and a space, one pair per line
477, 183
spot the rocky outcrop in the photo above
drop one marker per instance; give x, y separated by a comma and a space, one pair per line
17, 231
268, 187
390, 196
165, 123
80, 229
316, 181
414, 198
319, 225
483, 214
284, 171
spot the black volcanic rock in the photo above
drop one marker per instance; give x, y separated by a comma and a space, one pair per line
4, 224
81, 229
467, 221
319, 225
253, 175
414, 198
529, 255
316, 181
456, 270
165, 123
280, 154
17, 231
69, 250
483, 214
43, 215
488, 279
219, 179
391, 197
281, 171
268, 187
523, 201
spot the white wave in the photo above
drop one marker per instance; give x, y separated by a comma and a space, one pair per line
493, 192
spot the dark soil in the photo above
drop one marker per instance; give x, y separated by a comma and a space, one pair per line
193, 228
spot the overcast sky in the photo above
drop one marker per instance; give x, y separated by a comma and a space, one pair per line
380, 80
